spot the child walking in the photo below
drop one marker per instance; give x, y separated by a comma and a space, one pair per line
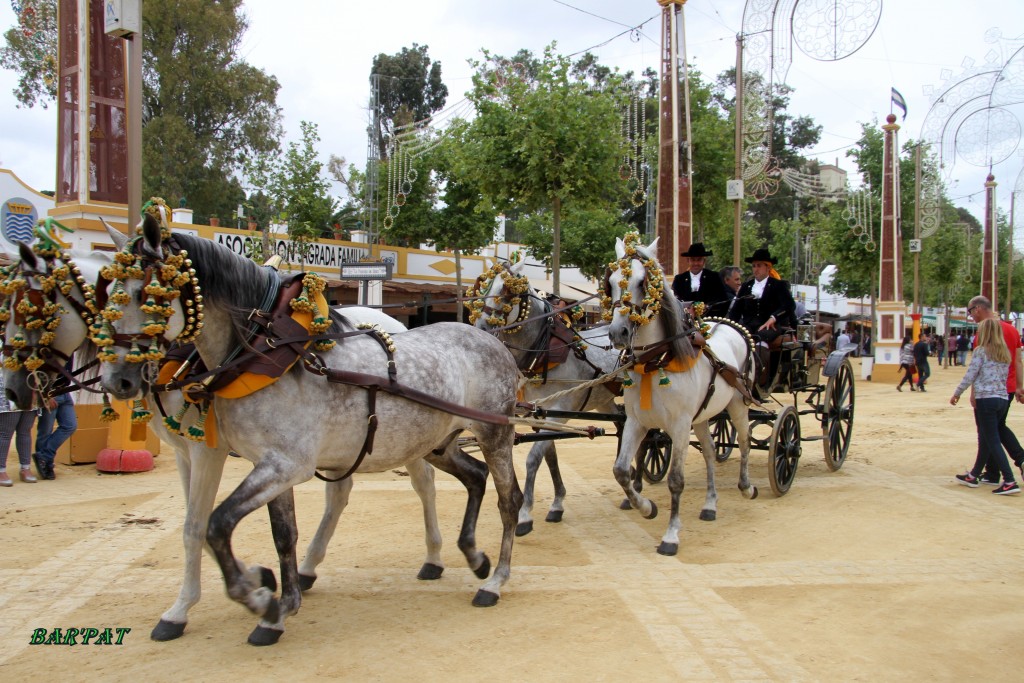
986, 375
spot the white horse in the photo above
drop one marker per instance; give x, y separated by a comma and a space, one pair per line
506, 297
304, 422
648, 321
199, 466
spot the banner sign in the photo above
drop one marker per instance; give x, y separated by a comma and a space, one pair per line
318, 255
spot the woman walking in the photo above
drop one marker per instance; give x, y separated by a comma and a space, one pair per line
986, 375
14, 421
907, 363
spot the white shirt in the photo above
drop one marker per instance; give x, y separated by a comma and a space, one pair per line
758, 289
694, 281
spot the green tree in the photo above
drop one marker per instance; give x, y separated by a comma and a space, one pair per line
204, 109
31, 50
296, 190
541, 143
409, 89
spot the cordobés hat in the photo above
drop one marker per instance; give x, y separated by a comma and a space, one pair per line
696, 250
762, 255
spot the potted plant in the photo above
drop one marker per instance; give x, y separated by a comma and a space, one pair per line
214, 222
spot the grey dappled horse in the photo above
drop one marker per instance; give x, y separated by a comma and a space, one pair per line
647, 317
200, 467
528, 342
303, 423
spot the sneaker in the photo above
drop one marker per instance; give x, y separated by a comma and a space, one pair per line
27, 476
968, 479
987, 481
1008, 488
899, 387
5, 480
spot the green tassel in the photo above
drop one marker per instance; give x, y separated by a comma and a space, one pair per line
663, 380
197, 432
139, 413
134, 355
108, 414
627, 381
173, 422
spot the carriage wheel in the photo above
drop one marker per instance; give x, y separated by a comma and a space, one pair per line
656, 449
723, 434
784, 450
837, 416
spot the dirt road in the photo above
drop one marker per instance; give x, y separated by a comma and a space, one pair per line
885, 570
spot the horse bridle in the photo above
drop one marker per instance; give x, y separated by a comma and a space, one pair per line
38, 296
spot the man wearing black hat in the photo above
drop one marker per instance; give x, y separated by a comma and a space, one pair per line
700, 283
764, 303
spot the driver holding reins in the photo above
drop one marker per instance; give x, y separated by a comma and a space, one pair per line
764, 304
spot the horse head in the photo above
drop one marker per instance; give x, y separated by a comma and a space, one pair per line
500, 296
150, 298
50, 304
634, 288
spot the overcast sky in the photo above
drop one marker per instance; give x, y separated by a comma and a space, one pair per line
322, 51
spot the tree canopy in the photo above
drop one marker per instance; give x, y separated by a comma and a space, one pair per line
204, 109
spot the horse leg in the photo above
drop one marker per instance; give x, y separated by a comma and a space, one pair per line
496, 444
557, 504
473, 475
709, 512
740, 418
200, 477
632, 434
336, 495
285, 532
680, 434
422, 476
265, 483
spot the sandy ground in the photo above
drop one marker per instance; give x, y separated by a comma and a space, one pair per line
885, 570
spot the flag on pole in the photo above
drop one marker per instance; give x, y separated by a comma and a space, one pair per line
897, 99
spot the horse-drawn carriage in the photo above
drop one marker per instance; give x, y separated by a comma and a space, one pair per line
819, 384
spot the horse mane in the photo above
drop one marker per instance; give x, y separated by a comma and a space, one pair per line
230, 281
675, 325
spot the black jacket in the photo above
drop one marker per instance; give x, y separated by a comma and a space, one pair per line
775, 300
711, 290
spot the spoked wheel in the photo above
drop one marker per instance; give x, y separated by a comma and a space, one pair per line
656, 449
784, 451
837, 416
723, 434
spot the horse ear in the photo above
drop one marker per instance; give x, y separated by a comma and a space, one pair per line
151, 237
652, 248
119, 238
620, 248
517, 267
28, 257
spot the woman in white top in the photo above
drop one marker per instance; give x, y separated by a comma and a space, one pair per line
14, 421
986, 376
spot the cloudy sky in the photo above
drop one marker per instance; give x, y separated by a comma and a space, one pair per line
321, 52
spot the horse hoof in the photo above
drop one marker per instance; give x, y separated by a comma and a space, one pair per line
708, 515
167, 630
430, 572
262, 635
654, 511
754, 494
524, 528
554, 516
485, 598
624, 505
267, 579
669, 549
484, 570
306, 581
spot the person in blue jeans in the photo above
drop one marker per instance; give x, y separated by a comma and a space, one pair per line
59, 410
986, 377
